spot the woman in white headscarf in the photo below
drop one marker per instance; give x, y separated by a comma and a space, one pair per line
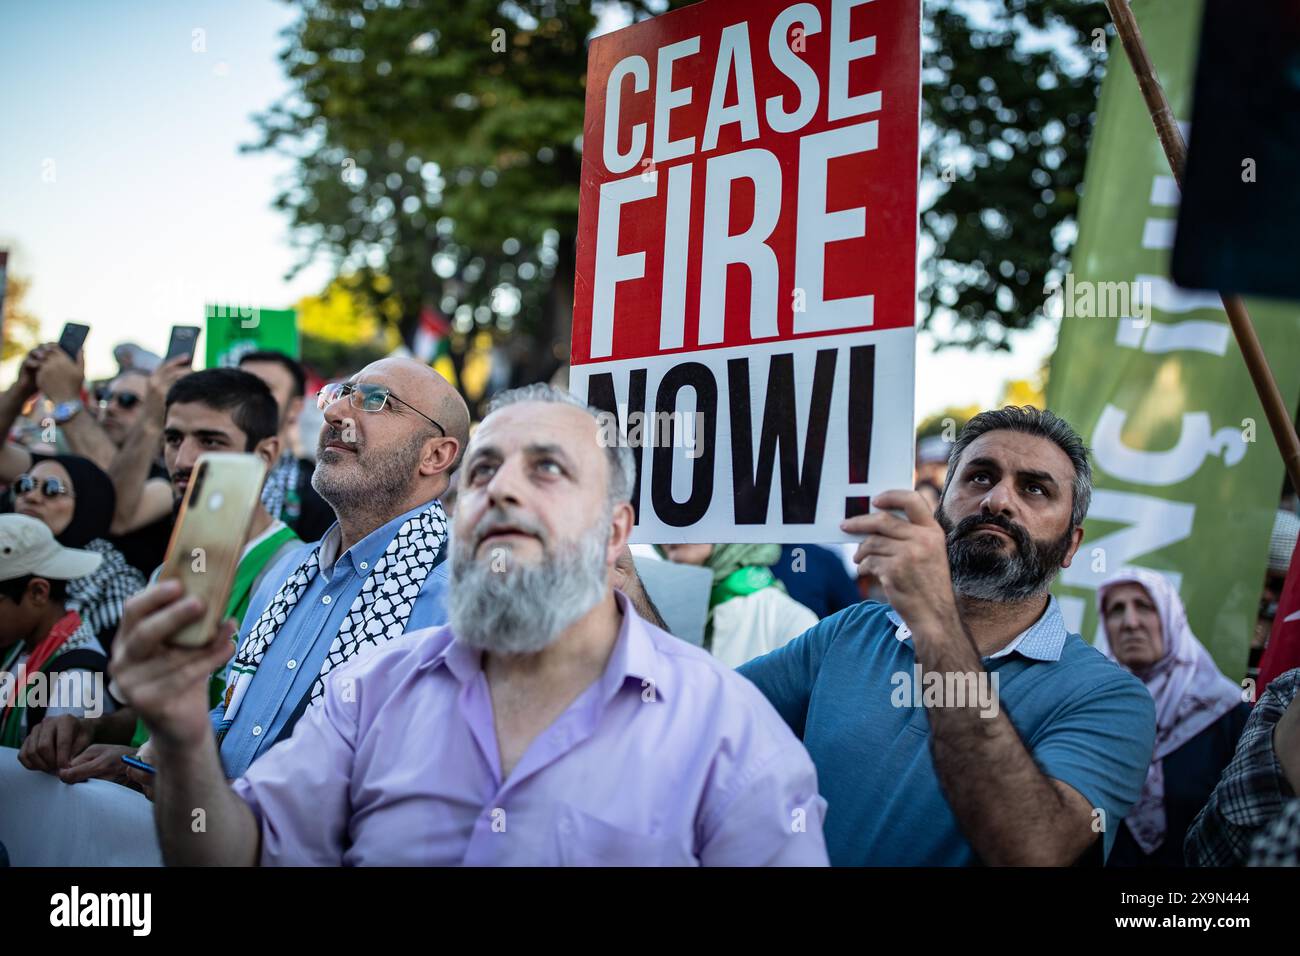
1199, 713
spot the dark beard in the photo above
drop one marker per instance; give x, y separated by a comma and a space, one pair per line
982, 569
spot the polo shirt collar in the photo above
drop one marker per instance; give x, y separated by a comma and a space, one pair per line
1044, 640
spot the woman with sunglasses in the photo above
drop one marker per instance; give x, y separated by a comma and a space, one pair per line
74, 498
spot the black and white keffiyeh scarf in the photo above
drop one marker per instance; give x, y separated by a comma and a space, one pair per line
378, 613
282, 477
98, 597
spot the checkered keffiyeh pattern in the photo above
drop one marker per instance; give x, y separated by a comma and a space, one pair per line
98, 597
1252, 791
279, 480
378, 613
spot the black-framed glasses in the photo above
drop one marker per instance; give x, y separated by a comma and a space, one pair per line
123, 400
367, 397
50, 487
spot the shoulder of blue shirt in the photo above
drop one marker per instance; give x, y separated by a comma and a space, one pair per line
1091, 670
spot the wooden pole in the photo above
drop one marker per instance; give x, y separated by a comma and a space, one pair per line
1171, 139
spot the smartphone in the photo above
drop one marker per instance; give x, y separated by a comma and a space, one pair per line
208, 539
73, 338
137, 763
182, 342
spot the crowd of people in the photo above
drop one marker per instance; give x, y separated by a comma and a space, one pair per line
405, 682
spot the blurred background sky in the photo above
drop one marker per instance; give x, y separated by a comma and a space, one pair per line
125, 200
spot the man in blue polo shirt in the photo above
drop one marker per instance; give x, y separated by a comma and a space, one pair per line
961, 723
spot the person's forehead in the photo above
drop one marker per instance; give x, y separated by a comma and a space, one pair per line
1127, 591
1021, 451
272, 373
195, 416
50, 469
530, 423
128, 382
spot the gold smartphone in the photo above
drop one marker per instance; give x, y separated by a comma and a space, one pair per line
211, 530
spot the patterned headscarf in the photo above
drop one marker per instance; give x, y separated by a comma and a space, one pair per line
1190, 692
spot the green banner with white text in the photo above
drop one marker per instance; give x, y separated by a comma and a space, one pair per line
1187, 473
233, 330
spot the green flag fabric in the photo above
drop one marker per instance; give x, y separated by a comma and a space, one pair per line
1187, 473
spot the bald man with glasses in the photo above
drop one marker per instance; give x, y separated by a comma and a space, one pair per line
392, 435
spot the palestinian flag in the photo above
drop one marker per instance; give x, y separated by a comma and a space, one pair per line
1283, 650
432, 343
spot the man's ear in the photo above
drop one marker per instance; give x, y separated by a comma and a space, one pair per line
38, 589
268, 449
439, 454
1076, 539
620, 530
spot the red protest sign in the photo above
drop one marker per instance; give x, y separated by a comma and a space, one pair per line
747, 258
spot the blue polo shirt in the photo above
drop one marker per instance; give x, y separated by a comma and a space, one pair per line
1088, 723
293, 661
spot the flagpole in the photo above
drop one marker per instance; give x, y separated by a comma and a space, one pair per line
1171, 139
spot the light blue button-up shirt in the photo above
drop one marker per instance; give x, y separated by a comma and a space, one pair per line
293, 661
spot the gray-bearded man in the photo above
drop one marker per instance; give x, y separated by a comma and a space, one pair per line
548, 724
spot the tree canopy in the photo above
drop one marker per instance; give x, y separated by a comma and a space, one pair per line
437, 153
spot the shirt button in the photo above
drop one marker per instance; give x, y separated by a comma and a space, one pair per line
291, 665
364, 565
325, 599
257, 731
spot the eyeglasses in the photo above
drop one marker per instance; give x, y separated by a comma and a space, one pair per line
366, 397
50, 487
123, 400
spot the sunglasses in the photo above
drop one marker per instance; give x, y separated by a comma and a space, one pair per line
50, 487
123, 400
367, 398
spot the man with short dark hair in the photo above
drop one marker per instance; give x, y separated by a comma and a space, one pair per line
961, 722
214, 410
288, 493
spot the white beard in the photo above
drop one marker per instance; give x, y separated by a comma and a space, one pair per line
525, 607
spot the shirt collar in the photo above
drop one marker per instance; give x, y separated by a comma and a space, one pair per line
635, 657
369, 549
1041, 641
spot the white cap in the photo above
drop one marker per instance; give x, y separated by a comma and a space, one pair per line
27, 546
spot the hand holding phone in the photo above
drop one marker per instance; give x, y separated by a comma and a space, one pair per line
137, 763
207, 542
73, 338
183, 340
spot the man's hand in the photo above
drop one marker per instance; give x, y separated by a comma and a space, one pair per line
908, 557
160, 382
98, 762
55, 741
1286, 743
59, 377
25, 385
141, 780
167, 685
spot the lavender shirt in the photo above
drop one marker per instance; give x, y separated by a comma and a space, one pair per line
668, 759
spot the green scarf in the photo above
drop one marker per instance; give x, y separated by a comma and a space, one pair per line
738, 570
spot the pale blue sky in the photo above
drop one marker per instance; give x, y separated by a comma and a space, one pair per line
124, 197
